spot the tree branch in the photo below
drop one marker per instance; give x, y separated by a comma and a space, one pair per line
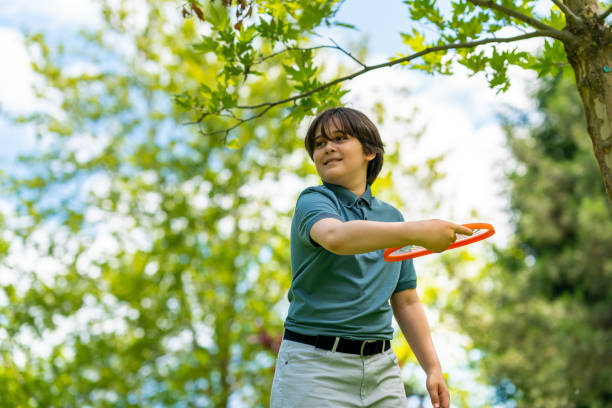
269, 105
347, 53
336, 47
291, 49
237, 124
406, 59
567, 11
513, 13
605, 14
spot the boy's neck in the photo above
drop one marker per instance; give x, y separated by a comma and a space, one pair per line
357, 189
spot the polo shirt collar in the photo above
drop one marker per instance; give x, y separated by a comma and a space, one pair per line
349, 198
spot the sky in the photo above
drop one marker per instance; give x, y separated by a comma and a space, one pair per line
458, 113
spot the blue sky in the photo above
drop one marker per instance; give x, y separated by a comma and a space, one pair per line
381, 25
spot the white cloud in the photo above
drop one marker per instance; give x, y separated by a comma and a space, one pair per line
54, 17
53, 14
16, 76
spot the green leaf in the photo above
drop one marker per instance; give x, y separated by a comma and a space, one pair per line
415, 40
207, 44
234, 144
217, 16
345, 25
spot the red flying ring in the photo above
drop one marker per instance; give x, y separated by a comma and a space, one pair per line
389, 255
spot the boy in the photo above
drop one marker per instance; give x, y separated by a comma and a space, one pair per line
336, 346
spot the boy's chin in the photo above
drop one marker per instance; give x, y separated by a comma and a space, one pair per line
333, 180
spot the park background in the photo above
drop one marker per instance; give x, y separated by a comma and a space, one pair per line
143, 265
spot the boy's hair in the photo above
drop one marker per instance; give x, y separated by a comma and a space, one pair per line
354, 123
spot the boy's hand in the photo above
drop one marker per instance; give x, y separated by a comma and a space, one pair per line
438, 392
438, 235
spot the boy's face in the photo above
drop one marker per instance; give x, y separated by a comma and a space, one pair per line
340, 159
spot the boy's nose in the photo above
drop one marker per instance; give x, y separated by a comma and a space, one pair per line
330, 146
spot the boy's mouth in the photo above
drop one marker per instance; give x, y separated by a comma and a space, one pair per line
331, 161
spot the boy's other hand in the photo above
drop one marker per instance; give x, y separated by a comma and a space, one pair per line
438, 235
438, 392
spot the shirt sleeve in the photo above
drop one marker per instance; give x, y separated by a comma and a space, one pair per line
311, 207
407, 278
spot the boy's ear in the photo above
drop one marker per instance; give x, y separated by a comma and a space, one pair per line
370, 156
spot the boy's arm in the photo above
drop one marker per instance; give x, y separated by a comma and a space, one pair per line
411, 318
360, 236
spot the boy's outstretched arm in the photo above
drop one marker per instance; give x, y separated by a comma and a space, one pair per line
411, 318
359, 236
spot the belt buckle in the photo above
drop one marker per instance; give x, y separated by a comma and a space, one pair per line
364, 344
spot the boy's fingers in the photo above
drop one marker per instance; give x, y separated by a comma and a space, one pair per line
445, 398
463, 230
433, 394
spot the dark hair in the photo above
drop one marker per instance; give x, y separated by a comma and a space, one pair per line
354, 123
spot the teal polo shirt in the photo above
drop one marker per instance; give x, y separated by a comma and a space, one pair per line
342, 295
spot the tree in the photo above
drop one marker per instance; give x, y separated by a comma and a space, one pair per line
466, 32
540, 311
151, 249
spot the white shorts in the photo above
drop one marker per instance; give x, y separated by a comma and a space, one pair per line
310, 377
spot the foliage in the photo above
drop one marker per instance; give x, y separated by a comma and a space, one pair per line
462, 32
540, 311
156, 266
238, 48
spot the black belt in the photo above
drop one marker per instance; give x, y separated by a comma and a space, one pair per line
361, 347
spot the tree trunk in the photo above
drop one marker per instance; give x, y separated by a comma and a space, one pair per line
591, 60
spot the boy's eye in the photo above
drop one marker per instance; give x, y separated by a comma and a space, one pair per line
337, 138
